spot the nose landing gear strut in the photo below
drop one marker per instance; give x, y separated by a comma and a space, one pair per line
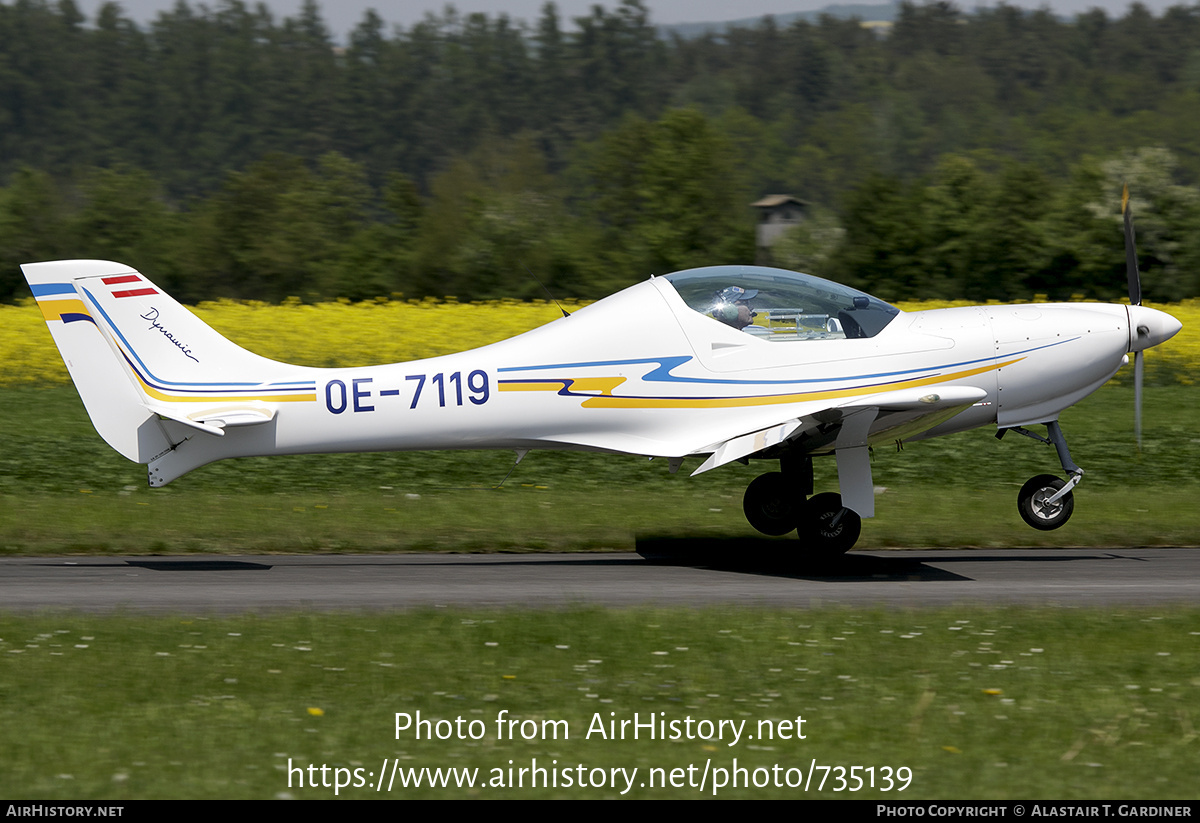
1045, 501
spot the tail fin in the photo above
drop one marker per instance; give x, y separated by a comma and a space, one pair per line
136, 355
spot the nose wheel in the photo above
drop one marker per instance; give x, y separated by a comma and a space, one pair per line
1038, 505
1046, 502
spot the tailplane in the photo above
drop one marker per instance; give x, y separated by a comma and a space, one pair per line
137, 356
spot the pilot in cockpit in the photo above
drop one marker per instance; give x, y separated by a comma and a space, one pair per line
731, 305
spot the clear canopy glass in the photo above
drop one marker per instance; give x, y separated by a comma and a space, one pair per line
781, 305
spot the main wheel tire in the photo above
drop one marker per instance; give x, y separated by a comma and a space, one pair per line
818, 527
772, 504
1031, 503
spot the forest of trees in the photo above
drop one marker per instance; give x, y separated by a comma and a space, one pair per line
228, 153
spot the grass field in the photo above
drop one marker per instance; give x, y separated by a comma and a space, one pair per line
62, 490
964, 703
971, 703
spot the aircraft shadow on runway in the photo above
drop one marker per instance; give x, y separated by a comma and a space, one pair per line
213, 565
747, 555
786, 558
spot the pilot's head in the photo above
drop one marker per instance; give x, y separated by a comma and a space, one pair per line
731, 305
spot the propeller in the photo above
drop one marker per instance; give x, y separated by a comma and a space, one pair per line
1135, 299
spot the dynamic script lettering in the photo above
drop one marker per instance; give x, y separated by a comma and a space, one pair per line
152, 316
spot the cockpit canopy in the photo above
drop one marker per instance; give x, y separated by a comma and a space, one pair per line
783, 305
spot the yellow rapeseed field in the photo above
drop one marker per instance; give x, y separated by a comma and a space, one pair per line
388, 331
325, 334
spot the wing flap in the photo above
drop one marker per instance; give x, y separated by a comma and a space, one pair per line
747, 444
858, 415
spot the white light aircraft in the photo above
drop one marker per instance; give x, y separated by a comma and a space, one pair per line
723, 363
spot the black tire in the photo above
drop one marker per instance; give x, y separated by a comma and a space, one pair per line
821, 534
1031, 503
772, 503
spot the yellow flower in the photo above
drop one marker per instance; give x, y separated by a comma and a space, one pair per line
369, 333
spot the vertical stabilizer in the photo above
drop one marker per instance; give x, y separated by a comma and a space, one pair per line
136, 356
107, 389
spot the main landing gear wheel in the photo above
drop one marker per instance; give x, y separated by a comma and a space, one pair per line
1031, 503
772, 503
830, 527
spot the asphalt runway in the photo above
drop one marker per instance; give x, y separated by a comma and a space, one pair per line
678, 573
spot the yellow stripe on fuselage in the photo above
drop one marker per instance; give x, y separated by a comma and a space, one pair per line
604, 385
608, 401
775, 399
266, 398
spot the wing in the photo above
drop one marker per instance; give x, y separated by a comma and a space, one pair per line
847, 429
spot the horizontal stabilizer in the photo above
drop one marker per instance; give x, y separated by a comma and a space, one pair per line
215, 421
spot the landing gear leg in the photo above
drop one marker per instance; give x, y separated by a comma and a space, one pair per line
826, 528
1045, 502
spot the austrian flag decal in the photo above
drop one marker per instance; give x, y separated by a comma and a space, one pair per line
129, 278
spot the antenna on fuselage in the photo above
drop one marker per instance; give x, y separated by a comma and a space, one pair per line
520, 456
546, 290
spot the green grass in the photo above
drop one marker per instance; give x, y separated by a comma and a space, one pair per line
62, 490
978, 703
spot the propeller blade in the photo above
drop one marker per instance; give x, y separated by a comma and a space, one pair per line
1131, 268
1138, 365
1135, 299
